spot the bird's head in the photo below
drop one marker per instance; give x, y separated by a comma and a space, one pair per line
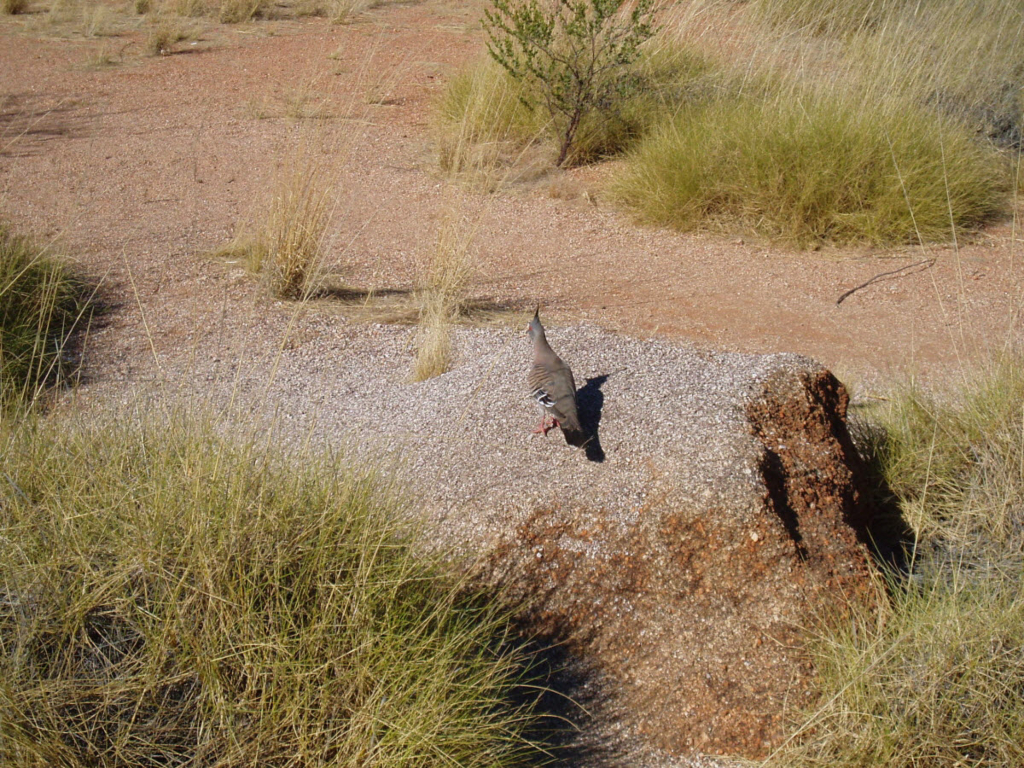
534, 328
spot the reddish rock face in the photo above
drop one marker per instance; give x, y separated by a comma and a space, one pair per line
692, 611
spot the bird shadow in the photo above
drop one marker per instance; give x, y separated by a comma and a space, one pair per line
589, 404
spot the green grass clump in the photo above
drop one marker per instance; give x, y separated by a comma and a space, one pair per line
933, 680
934, 677
169, 597
481, 121
956, 461
41, 303
812, 170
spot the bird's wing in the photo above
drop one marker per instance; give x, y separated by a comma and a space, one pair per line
552, 384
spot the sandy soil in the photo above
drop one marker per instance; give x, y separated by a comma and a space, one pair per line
139, 168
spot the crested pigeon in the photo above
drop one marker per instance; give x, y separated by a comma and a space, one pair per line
552, 385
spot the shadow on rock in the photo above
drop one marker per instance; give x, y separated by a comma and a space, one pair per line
589, 403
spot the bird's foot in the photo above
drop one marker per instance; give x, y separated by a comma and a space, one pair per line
545, 427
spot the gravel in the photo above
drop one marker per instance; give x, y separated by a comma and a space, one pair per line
670, 419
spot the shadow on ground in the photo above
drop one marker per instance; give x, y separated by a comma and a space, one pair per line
590, 404
884, 530
574, 712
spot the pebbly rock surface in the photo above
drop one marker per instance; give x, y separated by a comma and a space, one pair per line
676, 558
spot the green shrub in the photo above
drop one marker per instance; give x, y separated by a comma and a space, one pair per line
169, 597
41, 304
658, 84
573, 56
484, 121
814, 169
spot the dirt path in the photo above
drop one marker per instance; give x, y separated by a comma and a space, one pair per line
140, 168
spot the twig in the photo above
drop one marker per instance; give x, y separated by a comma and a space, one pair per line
879, 276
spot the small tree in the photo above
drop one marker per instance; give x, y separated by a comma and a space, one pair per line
574, 54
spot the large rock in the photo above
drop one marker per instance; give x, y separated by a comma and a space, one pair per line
678, 557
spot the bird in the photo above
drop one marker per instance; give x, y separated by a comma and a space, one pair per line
552, 386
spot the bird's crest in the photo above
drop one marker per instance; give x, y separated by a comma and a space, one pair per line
535, 329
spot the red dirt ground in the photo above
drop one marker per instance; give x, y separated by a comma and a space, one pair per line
139, 168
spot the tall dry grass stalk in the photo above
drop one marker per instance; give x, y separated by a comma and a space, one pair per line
442, 294
484, 132
293, 235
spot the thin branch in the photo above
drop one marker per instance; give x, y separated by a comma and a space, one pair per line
928, 262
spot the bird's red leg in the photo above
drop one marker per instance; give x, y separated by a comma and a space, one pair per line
544, 427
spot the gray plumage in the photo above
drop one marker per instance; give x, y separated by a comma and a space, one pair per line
551, 383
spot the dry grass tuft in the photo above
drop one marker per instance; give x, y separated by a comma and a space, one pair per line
443, 296
481, 125
434, 348
343, 11
162, 38
285, 245
107, 55
238, 11
12, 7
